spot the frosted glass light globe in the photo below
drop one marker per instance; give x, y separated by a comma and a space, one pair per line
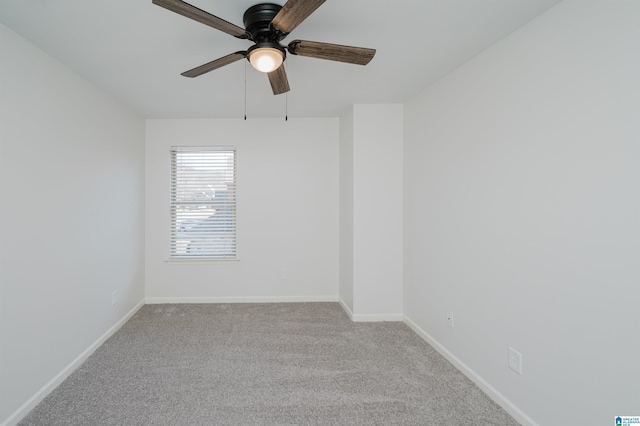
266, 59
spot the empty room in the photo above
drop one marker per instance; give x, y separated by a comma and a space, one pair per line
319, 212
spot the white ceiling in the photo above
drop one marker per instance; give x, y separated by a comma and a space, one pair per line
135, 51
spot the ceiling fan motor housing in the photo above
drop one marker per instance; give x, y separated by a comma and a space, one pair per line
257, 21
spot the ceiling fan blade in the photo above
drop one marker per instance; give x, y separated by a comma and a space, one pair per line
293, 13
332, 52
192, 12
218, 63
279, 81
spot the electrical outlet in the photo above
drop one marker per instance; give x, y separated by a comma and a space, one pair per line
450, 319
114, 297
515, 360
283, 274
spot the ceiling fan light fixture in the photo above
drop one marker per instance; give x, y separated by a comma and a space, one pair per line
266, 25
266, 59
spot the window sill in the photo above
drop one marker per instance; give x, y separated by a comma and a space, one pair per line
200, 261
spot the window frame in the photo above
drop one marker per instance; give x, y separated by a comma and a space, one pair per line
209, 230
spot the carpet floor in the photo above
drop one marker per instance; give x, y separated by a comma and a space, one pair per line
264, 364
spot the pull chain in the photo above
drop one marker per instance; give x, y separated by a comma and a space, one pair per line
286, 106
245, 90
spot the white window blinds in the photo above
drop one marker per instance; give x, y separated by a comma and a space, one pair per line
203, 203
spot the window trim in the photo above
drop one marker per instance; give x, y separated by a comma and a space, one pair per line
184, 259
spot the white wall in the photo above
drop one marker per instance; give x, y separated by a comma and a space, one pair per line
522, 213
377, 210
287, 211
371, 138
71, 176
346, 210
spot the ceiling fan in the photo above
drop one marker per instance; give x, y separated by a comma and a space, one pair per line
266, 25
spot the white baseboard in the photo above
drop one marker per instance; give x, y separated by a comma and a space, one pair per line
377, 317
370, 317
31, 403
267, 299
491, 392
346, 308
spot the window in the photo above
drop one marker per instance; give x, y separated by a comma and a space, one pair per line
203, 203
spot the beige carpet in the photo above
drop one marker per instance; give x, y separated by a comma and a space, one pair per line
264, 364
